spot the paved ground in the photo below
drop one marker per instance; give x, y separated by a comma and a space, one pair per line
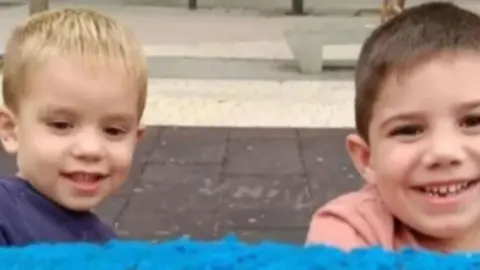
205, 182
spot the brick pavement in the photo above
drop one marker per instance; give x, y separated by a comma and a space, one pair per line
205, 182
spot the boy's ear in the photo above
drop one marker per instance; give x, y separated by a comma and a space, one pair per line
8, 130
140, 132
359, 152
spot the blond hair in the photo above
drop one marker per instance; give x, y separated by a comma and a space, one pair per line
70, 32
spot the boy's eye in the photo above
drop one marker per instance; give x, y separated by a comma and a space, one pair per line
113, 131
60, 125
407, 130
471, 121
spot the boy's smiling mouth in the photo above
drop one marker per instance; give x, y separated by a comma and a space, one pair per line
88, 182
447, 188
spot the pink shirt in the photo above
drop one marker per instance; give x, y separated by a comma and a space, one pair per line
358, 219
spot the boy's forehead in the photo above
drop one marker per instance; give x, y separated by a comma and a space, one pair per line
61, 90
445, 80
78, 110
110, 114
74, 72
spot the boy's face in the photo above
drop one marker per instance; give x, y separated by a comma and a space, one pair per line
75, 132
424, 151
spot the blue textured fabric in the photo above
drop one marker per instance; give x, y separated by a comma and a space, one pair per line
227, 254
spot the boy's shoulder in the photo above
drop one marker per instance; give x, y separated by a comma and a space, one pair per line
9, 212
365, 199
363, 208
14, 195
10, 187
13, 198
26, 217
360, 216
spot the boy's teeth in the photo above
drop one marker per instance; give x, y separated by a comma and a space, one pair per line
445, 190
84, 178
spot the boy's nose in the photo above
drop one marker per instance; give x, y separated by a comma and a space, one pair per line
444, 150
89, 147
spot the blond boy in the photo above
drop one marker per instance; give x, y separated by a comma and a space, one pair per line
74, 88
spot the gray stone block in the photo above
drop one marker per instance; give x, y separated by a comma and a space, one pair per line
307, 43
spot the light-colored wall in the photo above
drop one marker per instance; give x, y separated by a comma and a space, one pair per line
316, 5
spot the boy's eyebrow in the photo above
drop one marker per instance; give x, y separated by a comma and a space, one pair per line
55, 110
64, 111
122, 117
470, 105
408, 116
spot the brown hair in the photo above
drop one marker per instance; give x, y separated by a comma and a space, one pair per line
410, 38
88, 34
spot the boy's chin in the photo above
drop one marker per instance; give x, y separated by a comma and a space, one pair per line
80, 204
446, 229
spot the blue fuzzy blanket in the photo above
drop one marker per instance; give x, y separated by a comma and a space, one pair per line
227, 254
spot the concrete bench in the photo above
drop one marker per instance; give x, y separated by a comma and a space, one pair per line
328, 44
297, 6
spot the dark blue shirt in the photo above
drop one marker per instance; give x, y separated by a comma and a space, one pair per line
28, 217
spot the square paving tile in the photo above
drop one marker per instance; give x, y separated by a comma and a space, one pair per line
174, 187
329, 170
326, 152
264, 218
8, 163
110, 209
323, 190
145, 225
262, 133
189, 150
263, 157
204, 134
149, 140
243, 192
